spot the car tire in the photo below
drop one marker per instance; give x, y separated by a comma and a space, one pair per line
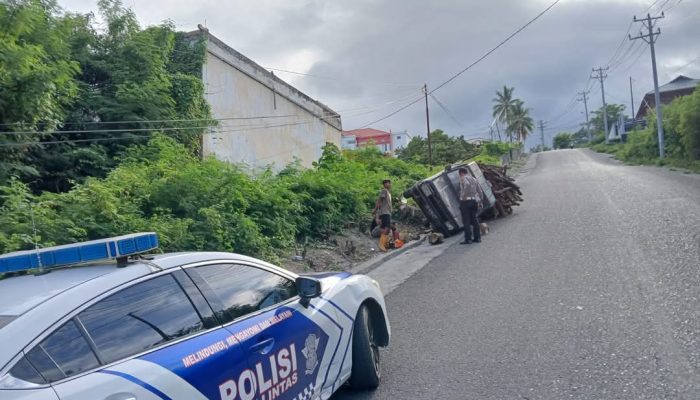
366, 368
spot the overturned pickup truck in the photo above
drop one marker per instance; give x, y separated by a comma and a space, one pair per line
438, 197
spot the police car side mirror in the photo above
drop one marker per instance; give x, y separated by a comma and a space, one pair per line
308, 288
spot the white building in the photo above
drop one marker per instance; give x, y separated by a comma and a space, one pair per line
348, 142
263, 121
399, 140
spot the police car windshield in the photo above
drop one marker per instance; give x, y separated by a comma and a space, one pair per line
6, 319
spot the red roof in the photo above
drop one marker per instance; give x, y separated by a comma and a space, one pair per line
366, 133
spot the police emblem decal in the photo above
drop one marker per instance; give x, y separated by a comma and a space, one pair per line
310, 352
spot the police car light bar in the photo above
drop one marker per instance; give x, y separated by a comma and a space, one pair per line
118, 247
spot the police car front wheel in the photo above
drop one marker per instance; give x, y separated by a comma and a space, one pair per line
366, 372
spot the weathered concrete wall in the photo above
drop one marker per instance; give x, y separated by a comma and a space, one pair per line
290, 125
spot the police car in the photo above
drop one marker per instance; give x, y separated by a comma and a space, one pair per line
102, 320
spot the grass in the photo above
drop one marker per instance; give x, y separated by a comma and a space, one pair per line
674, 164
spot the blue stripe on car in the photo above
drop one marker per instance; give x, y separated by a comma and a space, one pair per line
325, 379
347, 347
339, 309
138, 382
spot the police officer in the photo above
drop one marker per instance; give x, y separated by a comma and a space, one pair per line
470, 195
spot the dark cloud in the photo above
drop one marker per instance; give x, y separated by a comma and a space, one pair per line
367, 53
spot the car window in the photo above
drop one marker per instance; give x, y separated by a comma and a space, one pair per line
63, 354
139, 318
242, 289
25, 371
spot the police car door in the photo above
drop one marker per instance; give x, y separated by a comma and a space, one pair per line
288, 346
157, 339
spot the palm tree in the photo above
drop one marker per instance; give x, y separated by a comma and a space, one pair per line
521, 123
503, 105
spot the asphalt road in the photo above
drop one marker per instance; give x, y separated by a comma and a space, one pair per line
591, 290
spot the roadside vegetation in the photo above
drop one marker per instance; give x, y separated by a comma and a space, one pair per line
204, 204
682, 137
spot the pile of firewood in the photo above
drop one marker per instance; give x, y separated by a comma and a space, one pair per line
505, 190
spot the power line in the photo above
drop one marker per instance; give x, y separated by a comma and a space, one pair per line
73, 141
68, 141
650, 7
488, 53
395, 112
619, 58
152, 121
106, 131
692, 61
378, 107
661, 7
620, 46
624, 56
642, 50
570, 106
447, 111
673, 6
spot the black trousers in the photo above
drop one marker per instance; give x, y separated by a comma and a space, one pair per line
469, 209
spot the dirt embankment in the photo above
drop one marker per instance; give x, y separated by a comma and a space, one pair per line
350, 247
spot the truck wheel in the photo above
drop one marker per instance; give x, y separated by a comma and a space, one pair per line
366, 372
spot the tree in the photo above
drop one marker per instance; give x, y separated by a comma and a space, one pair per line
446, 149
520, 124
562, 141
690, 125
580, 138
37, 79
503, 106
62, 75
614, 112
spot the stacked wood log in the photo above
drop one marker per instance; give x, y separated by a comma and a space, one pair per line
507, 193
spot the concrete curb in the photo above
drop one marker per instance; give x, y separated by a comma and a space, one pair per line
376, 262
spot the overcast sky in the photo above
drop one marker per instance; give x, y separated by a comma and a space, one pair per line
370, 57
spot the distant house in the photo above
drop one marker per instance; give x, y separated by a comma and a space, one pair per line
262, 120
623, 126
348, 141
681, 86
371, 137
386, 142
399, 140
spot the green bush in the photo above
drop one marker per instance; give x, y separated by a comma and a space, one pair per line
495, 148
681, 121
205, 204
641, 145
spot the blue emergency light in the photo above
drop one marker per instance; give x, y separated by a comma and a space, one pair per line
116, 248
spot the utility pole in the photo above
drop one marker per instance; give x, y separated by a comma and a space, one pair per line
632, 100
650, 38
541, 125
584, 98
601, 75
427, 123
